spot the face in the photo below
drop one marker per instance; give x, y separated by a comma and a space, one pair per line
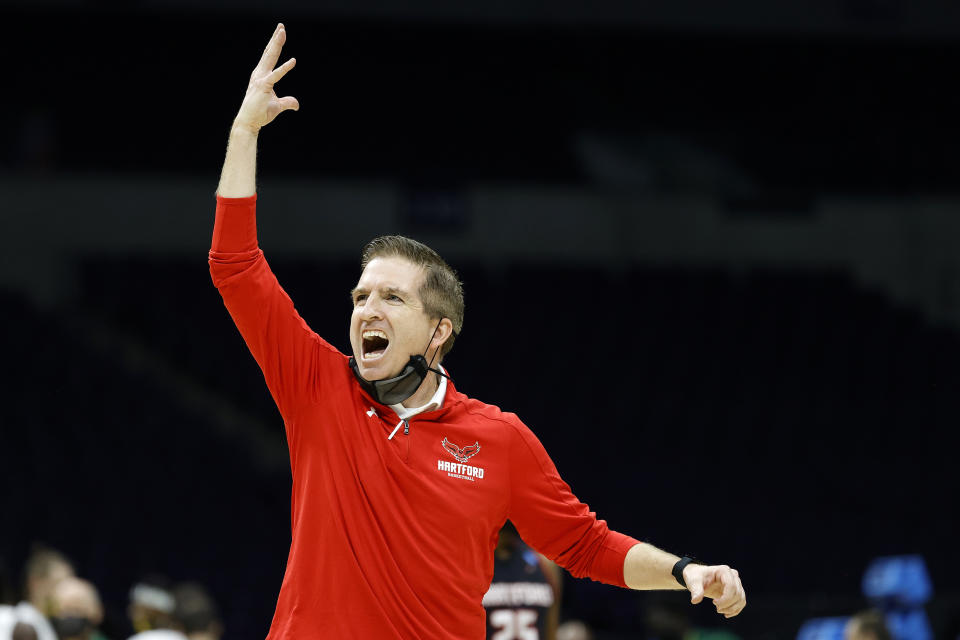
41, 589
74, 597
389, 324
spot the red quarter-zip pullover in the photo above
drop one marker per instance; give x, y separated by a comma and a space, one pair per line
392, 538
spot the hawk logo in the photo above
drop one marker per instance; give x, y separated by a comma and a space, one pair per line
460, 469
463, 454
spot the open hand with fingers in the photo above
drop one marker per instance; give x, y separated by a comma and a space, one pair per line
261, 104
720, 583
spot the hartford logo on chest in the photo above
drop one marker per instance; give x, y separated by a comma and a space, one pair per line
461, 469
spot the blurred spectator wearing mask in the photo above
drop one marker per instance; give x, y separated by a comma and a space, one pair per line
151, 611
77, 610
867, 625
196, 612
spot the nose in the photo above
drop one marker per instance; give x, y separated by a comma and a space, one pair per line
370, 309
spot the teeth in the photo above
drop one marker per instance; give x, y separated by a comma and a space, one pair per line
374, 333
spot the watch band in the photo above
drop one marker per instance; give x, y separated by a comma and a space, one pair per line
678, 568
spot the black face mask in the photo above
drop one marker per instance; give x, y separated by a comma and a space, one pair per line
400, 387
72, 626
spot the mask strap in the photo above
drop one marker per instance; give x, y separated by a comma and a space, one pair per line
435, 329
429, 364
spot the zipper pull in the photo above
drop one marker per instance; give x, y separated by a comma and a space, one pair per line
406, 428
394, 432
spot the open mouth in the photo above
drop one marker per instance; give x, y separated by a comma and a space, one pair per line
375, 344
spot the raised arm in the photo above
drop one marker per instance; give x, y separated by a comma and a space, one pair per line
297, 364
260, 106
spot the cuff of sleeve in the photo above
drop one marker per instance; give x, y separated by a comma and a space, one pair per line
615, 554
235, 226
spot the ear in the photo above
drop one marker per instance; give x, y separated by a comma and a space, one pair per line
444, 331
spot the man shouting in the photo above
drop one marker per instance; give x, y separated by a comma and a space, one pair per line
401, 483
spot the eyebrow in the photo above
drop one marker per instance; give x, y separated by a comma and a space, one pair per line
387, 290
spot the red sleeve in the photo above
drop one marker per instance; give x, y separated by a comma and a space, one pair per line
554, 522
295, 361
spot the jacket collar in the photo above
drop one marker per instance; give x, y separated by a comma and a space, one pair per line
434, 403
447, 399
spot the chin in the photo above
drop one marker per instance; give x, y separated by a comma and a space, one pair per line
377, 370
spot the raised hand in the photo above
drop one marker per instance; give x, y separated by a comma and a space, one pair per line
261, 104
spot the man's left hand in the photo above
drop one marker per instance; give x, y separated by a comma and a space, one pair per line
720, 583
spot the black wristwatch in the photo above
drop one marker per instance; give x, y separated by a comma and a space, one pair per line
679, 567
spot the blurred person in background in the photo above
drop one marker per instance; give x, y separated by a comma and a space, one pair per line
195, 612
44, 568
867, 625
19, 625
77, 610
151, 610
393, 530
523, 601
574, 630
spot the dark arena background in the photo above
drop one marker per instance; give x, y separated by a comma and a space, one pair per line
710, 255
